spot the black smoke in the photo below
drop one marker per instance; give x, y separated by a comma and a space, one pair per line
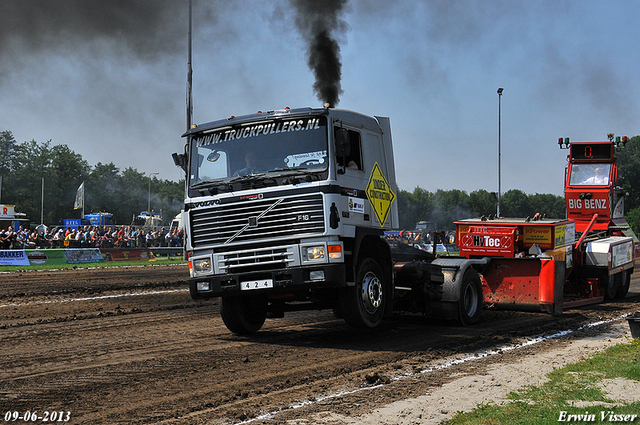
147, 28
319, 23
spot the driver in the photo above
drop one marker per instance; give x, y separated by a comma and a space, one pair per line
251, 163
598, 178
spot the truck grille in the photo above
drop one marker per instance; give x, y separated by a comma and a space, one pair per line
260, 220
259, 259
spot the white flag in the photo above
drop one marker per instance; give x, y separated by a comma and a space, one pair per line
79, 203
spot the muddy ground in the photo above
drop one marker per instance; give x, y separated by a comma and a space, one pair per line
128, 345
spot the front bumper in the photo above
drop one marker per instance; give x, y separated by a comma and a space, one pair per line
290, 280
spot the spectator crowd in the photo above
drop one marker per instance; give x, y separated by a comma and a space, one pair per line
89, 237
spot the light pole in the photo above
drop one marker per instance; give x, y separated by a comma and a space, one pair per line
499, 142
149, 202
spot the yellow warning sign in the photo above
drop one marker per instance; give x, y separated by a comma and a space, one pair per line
380, 194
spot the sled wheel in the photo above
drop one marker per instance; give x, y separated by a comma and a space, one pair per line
612, 285
625, 282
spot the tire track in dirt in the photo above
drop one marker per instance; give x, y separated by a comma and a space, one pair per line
164, 358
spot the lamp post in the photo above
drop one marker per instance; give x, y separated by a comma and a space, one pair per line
499, 143
149, 202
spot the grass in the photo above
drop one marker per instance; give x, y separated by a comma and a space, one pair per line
159, 260
544, 404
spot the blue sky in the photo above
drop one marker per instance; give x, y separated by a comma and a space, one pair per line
115, 92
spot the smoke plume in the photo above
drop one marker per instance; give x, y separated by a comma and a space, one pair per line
318, 23
147, 27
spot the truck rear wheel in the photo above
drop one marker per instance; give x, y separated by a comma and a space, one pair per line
362, 306
611, 286
625, 282
470, 302
243, 315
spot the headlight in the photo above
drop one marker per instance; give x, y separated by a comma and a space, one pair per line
202, 265
316, 253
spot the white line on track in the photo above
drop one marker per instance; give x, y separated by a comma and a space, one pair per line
447, 364
101, 297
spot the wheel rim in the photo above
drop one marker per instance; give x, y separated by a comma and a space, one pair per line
470, 300
371, 292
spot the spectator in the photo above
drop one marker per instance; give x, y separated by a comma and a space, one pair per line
7, 237
133, 237
105, 240
31, 241
149, 239
21, 238
58, 238
69, 239
142, 239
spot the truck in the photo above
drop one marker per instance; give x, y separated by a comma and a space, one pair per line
177, 224
148, 220
102, 218
286, 210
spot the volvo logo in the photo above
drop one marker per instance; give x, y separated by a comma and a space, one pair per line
200, 204
253, 222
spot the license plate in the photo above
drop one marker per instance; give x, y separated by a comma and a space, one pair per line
256, 284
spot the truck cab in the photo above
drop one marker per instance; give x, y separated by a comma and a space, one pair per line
286, 210
607, 247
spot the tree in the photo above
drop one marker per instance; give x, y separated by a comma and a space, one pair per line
515, 203
23, 167
449, 206
482, 202
633, 219
552, 206
629, 172
7, 152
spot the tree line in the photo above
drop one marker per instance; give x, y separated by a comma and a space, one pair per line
125, 193
444, 207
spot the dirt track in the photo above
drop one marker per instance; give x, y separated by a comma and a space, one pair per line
128, 345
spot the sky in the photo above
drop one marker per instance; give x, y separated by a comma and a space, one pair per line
108, 78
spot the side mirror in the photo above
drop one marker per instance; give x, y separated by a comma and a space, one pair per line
180, 160
343, 146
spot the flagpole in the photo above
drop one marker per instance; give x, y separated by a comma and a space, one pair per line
42, 204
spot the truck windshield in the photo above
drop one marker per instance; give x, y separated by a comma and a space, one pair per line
265, 148
592, 174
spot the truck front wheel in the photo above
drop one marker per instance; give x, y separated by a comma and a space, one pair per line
243, 315
470, 303
362, 306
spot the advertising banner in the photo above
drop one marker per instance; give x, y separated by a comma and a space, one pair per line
54, 257
14, 257
83, 255
133, 254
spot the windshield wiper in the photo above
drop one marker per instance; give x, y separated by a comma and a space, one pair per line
206, 183
246, 177
295, 172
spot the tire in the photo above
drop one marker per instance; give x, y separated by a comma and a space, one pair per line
243, 315
625, 282
363, 305
612, 284
471, 299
